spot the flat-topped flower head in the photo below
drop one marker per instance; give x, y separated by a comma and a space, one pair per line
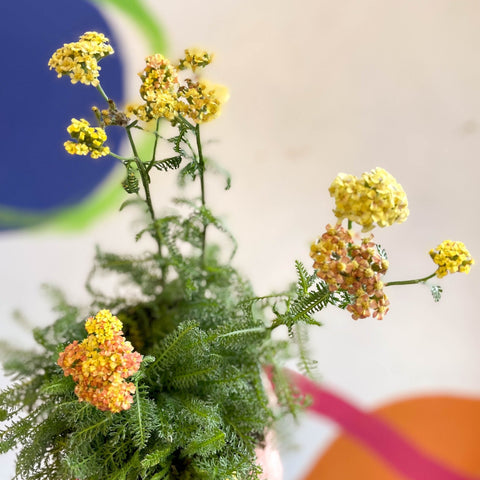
375, 198
79, 60
201, 101
195, 58
158, 90
352, 267
451, 257
100, 364
87, 139
166, 96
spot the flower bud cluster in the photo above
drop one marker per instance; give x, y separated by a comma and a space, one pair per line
165, 96
88, 140
352, 267
195, 58
451, 257
101, 363
79, 60
374, 198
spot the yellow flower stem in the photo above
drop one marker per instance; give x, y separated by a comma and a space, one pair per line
201, 171
411, 282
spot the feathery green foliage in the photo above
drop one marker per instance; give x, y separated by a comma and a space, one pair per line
200, 407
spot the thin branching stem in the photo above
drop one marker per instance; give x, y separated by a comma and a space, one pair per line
102, 92
145, 178
123, 159
411, 282
201, 170
154, 151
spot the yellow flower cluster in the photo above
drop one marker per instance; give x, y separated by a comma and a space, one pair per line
159, 79
353, 268
201, 101
79, 60
166, 97
195, 58
451, 257
374, 198
101, 363
88, 140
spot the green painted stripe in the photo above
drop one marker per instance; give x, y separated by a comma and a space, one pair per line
145, 21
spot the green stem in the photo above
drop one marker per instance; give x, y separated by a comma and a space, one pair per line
102, 92
201, 170
411, 282
148, 199
350, 224
123, 159
154, 152
244, 330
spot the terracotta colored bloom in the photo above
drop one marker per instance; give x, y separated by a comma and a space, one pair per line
352, 267
451, 257
79, 60
375, 198
100, 364
87, 139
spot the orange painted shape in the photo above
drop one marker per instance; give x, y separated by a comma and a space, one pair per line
444, 427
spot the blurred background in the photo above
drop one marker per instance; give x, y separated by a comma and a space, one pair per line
317, 87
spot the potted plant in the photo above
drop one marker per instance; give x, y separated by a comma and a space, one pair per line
166, 379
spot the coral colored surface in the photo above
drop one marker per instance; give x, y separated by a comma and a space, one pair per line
433, 437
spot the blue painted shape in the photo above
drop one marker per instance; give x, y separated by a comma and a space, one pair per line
36, 174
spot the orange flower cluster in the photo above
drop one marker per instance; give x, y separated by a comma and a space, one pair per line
101, 363
354, 268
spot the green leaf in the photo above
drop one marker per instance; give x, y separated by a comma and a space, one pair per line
131, 201
171, 163
436, 291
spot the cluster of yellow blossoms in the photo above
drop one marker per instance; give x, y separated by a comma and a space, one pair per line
195, 58
88, 140
352, 267
166, 97
374, 198
79, 60
101, 363
451, 257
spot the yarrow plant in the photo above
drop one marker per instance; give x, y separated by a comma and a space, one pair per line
171, 385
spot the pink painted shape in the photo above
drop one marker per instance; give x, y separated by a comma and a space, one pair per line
376, 434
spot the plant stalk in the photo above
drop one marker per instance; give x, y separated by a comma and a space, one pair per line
201, 170
148, 198
411, 282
